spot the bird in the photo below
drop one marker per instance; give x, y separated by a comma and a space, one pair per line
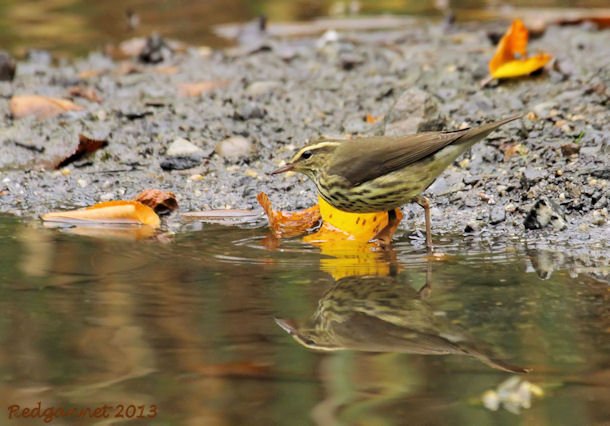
382, 173
370, 313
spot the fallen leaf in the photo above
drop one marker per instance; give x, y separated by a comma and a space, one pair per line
510, 150
196, 89
339, 225
289, 224
162, 202
41, 107
166, 70
88, 93
87, 74
119, 212
510, 58
372, 119
85, 146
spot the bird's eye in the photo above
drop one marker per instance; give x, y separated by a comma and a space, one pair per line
306, 155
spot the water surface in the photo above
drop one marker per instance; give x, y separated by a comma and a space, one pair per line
198, 325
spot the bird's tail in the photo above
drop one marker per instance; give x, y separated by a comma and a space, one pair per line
475, 134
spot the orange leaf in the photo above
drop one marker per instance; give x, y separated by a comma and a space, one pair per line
372, 119
108, 213
521, 67
510, 59
289, 224
162, 202
40, 107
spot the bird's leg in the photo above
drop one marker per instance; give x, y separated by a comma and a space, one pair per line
425, 203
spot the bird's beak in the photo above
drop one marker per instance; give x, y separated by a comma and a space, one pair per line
289, 326
288, 167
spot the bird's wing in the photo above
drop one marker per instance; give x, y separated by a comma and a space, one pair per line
384, 155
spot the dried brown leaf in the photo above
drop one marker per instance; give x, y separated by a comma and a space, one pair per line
162, 202
85, 146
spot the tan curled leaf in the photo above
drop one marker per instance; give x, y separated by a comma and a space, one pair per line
119, 212
41, 107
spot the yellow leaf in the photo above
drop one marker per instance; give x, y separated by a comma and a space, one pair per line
510, 58
340, 225
521, 67
109, 213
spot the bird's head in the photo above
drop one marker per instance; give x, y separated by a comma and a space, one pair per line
311, 159
307, 337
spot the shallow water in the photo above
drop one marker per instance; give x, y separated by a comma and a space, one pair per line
76, 27
194, 329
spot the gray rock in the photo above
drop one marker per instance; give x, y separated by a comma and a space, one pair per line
180, 163
249, 111
234, 148
545, 213
497, 215
414, 111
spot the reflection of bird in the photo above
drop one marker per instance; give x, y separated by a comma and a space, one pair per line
380, 314
382, 173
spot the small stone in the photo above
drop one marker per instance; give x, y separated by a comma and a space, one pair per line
544, 213
251, 173
234, 148
532, 175
350, 60
262, 87
249, 111
196, 178
82, 183
183, 148
107, 196
543, 110
497, 215
558, 172
510, 208
570, 149
7, 67
65, 171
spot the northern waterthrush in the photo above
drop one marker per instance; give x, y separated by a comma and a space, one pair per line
381, 173
381, 314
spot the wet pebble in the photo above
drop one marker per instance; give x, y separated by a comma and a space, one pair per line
234, 148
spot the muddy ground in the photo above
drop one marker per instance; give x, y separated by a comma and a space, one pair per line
280, 93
